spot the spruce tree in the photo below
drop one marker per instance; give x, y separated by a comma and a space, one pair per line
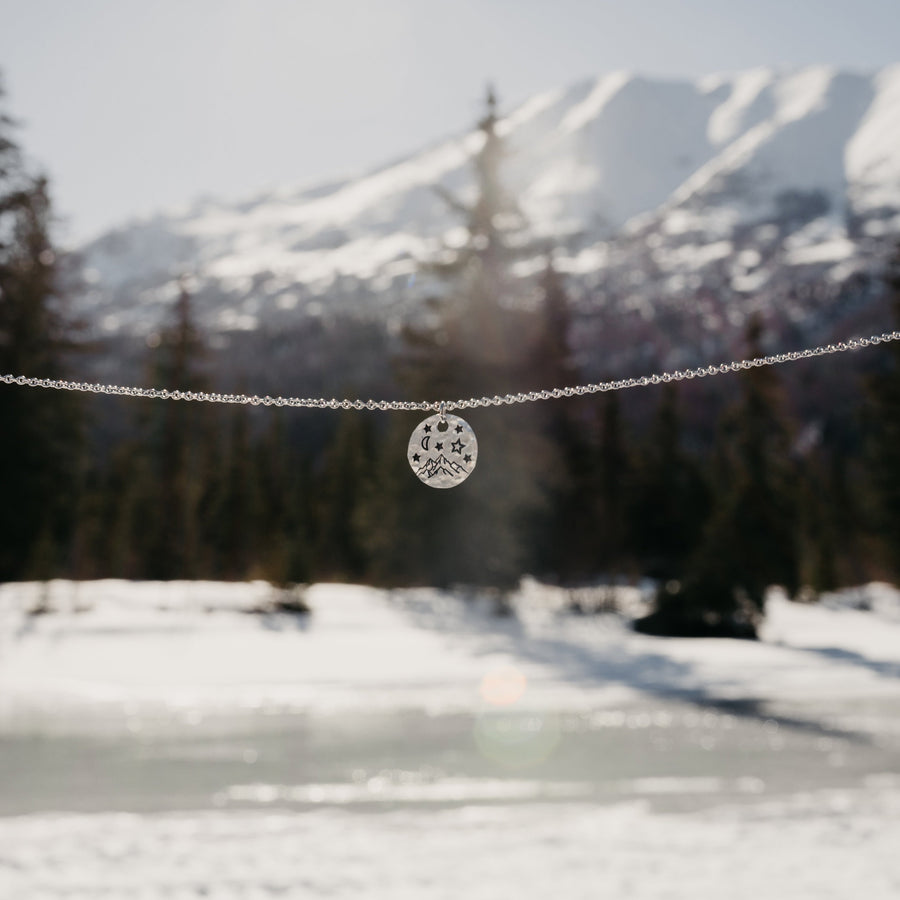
478, 342
884, 441
342, 485
285, 485
819, 529
751, 539
41, 447
670, 501
178, 450
120, 550
565, 536
232, 521
614, 468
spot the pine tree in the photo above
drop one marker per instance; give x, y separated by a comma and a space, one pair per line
614, 467
750, 541
566, 535
178, 456
41, 448
479, 345
884, 440
670, 499
552, 353
233, 517
342, 485
118, 551
285, 484
820, 547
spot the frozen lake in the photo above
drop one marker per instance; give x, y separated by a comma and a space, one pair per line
412, 746
675, 754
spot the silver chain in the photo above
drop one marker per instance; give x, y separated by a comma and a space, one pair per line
449, 405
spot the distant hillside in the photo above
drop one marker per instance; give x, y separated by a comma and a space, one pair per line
677, 208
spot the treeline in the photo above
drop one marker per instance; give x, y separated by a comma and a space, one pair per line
569, 490
715, 498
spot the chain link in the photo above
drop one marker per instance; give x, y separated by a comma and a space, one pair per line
448, 405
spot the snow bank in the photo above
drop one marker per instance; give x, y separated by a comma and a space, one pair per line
195, 644
827, 845
424, 833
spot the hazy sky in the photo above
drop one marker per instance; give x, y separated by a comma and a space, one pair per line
134, 105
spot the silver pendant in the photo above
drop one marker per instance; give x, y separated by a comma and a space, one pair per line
443, 451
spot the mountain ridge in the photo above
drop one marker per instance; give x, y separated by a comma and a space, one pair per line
753, 188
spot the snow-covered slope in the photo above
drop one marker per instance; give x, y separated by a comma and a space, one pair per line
654, 188
365, 648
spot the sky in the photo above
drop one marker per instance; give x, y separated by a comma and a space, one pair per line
132, 106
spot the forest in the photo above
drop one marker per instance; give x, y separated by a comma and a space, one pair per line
713, 496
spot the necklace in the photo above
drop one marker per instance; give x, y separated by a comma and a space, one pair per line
443, 450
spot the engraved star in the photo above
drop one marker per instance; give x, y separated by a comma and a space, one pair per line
467, 458
427, 429
459, 429
416, 457
457, 446
439, 445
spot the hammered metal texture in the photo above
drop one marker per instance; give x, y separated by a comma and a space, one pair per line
443, 453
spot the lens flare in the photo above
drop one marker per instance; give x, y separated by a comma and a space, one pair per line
503, 686
516, 740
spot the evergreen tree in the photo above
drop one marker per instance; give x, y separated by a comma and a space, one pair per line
884, 441
41, 449
750, 541
552, 354
615, 476
341, 487
833, 504
285, 484
178, 450
846, 538
670, 500
479, 344
393, 507
118, 549
232, 522
565, 538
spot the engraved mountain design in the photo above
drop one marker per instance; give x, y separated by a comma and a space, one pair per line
439, 465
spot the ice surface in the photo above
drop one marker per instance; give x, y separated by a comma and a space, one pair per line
426, 834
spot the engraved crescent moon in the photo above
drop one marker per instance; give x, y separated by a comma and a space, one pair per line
425, 441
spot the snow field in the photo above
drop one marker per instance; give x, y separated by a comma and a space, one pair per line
194, 644
110, 648
822, 847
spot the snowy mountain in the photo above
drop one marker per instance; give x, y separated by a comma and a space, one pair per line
677, 207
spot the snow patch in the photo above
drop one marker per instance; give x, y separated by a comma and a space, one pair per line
745, 107
367, 648
604, 90
873, 164
829, 251
828, 844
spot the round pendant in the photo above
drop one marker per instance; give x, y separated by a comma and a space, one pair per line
443, 451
